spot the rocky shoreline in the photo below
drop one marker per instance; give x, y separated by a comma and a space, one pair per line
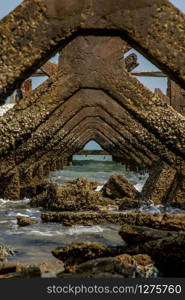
153, 244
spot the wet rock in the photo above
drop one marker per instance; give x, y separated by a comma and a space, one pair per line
119, 187
169, 254
51, 268
141, 234
164, 221
80, 195
108, 207
25, 221
129, 203
80, 184
40, 200
28, 271
76, 254
91, 184
123, 265
36, 189
5, 251
167, 248
10, 186
17, 270
101, 267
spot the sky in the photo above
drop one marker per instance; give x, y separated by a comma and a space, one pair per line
8, 5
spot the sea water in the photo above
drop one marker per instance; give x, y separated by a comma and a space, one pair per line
33, 244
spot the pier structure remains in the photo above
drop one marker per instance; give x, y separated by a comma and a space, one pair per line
92, 93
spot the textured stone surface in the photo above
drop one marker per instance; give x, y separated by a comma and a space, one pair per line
177, 96
131, 62
159, 184
80, 195
165, 247
123, 265
5, 251
49, 68
164, 186
119, 187
141, 234
158, 221
25, 221
136, 121
52, 23
18, 270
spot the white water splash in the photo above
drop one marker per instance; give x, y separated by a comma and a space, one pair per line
84, 229
4, 108
99, 187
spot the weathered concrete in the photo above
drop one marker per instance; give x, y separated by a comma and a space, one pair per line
131, 62
158, 186
118, 187
166, 221
143, 128
165, 247
49, 68
164, 186
52, 23
159, 110
177, 96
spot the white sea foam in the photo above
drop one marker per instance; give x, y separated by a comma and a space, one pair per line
157, 209
4, 108
139, 186
84, 229
14, 232
99, 187
76, 230
4, 202
3, 222
43, 233
16, 214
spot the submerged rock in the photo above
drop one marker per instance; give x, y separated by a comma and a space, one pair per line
25, 221
119, 187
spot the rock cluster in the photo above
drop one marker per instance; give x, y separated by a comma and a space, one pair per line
97, 260
80, 195
25, 221
145, 250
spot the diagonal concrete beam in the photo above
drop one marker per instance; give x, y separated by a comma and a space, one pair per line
131, 62
97, 66
121, 143
38, 28
49, 68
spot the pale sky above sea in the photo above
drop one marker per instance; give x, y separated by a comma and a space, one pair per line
8, 5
